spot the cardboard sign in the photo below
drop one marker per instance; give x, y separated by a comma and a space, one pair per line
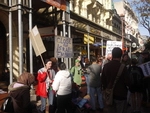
63, 47
145, 68
36, 41
111, 44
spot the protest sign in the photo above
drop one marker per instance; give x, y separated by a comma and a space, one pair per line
145, 68
111, 44
36, 41
63, 47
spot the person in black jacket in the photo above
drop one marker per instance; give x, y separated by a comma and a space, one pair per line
136, 88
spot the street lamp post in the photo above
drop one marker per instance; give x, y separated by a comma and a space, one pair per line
122, 23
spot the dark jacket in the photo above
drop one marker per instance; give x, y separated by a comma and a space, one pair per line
21, 98
109, 74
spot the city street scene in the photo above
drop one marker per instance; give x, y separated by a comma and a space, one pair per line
75, 56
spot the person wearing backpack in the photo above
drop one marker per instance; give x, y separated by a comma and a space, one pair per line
136, 78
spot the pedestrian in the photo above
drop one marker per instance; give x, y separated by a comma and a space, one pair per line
126, 59
62, 86
45, 78
109, 74
94, 71
107, 59
20, 93
136, 77
76, 73
86, 64
146, 82
6, 75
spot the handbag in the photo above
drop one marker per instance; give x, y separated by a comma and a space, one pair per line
108, 93
7, 105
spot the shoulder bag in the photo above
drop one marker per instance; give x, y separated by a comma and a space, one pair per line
108, 93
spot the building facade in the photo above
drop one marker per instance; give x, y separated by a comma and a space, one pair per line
91, 23
131, 22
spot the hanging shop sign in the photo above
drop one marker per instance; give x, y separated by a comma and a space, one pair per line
61, 4
63, 47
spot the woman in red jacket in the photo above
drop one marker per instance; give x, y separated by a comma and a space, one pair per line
44, 89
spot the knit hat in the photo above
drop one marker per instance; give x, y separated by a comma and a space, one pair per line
77, 61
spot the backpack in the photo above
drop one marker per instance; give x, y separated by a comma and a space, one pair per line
135, 76
7, 105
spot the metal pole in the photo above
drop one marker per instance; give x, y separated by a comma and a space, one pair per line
30, 27
122, 35
20, 37
88, 46
69, 35
64, 34
10, 43
102, 49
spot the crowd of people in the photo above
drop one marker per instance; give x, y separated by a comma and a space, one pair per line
55, 84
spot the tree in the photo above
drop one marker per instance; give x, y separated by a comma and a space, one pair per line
142, 9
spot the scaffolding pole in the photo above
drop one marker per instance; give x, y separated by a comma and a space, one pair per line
10, 43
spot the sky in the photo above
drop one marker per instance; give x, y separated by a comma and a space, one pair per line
142, 30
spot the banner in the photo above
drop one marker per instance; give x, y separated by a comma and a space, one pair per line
63, 47
111, 44
145, 68
36, 41
61, 4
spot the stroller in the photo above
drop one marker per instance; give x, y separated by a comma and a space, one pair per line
79, 104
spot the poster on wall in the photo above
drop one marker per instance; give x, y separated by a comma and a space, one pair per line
63, 47
111, 44
145, 68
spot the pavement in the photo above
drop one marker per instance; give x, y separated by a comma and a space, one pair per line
34, 98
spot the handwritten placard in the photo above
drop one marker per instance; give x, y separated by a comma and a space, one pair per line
111, 44
36, 41
146, 68
63, 47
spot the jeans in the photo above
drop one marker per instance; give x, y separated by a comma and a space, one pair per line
50, 100
119, 106
98, 92
87, 83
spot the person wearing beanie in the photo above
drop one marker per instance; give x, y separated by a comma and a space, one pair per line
76, 73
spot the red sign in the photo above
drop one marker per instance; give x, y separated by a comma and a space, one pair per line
61, 4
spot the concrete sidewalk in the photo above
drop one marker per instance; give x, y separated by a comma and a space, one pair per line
38, 102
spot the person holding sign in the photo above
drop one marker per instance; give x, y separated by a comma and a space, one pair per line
44, 89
